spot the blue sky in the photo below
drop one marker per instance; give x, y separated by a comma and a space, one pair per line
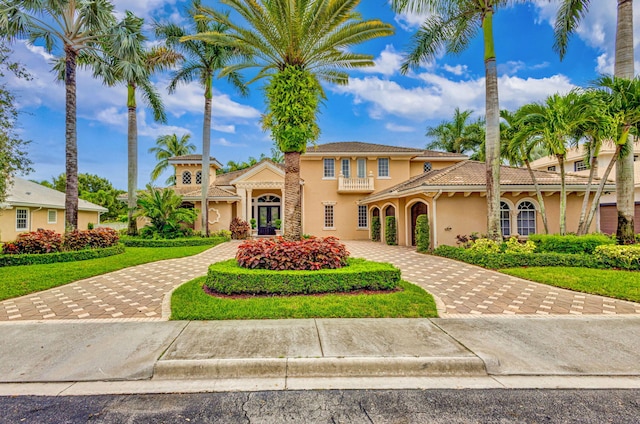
379, 105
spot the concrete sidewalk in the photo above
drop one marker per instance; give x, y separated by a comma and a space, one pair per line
155, 357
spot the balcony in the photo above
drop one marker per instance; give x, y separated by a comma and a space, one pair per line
356, 185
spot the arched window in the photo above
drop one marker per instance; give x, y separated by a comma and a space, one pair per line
199, 177
505, 219
186, 178
526, 218
268, 198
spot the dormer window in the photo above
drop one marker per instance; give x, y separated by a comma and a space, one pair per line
427, 167
186, 178
199, 177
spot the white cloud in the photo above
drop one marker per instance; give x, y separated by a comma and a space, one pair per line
398, 128
410, 21
456, 70
388, 63
226, 143
144, 8
231, 129
512, 67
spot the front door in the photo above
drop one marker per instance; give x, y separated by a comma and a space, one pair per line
266, 220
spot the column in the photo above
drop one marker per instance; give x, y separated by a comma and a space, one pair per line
243, 204
249, 203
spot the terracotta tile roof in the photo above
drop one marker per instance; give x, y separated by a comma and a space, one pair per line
194, 158
359, 147
214, 192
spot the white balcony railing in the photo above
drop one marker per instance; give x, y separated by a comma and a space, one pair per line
355, 185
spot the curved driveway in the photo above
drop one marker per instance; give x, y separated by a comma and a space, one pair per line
142, 292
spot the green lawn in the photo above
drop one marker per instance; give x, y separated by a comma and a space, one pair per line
618, 284
190, 302
20, 280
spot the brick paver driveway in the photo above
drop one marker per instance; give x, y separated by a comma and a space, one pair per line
141, 292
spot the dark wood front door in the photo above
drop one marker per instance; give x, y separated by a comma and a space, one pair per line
266, 220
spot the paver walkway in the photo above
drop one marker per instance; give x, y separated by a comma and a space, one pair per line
141, 292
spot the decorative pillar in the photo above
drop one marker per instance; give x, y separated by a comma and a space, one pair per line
249, 209
243, 204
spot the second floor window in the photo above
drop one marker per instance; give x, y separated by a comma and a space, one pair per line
186, 178
362, 168
329, 168
579, 165
346, 168
427, 167
551, 168
383, 167
199, 177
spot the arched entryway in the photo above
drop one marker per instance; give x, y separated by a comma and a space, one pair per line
417, 209
268, 211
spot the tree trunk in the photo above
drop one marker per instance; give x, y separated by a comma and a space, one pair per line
624, 68
206, 153
292, 197
593, 160
596, 198
71, 135
543, 210
492, 137
563, 196
132, 153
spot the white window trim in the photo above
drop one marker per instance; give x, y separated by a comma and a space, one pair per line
55, 221
388, 176
358, 162
324, 212
366, 217
325, 177
342, 163
26, 228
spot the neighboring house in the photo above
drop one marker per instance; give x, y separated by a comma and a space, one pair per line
345, 184
30, 206
577, 164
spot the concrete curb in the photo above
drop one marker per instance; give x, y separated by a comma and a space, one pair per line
319, 367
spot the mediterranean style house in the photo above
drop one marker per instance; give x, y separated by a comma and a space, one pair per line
577, 164
346, 184
30, 206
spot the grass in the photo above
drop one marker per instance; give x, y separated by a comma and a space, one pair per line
612, 283
190, 302
21, 280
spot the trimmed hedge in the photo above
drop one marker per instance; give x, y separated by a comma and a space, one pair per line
570, 243
179, 242
375, 228
229, 278
514, 260
390, 231
626, 257
422, 235
49, 258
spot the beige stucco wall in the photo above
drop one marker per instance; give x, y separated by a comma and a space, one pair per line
38, 218
193, 169
226, 210
417, 167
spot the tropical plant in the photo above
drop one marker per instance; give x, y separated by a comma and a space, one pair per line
570, 13
164, 209
423, 239
307, 42
375, 228
203, 62
73, 28
169, 146
458, 135
451, 25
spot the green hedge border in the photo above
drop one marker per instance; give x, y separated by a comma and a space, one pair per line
49, 258
179, 242
228, 277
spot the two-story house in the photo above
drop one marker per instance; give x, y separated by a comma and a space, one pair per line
346, 184
578, 164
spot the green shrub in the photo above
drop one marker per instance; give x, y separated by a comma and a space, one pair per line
375, 228
229, 278
390, 231
570, 243
226, 234
422, 233
513, 246
279, 254
78, 255
511, 260
180, 242
484, 245
626, 257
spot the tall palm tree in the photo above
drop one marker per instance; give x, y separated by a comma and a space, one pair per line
127, 62
70, 28
452, 24
204, 61
169, 146
457, 135
296, 44
553, 124
569, 16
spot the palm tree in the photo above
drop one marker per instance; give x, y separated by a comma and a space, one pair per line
569, 16
164, 208
296, 44
451, 24
169, 146
204, 61
553, 124
457, 135
128, 62
76, 27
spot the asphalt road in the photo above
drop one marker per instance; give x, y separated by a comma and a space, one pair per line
334, 406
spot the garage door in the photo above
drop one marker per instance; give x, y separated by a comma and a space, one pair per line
609, 218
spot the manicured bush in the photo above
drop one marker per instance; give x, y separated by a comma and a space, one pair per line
35, 242
78, 255
239, 229
168, 232
279, 254
512, 260
422, 233
484, 245
515, 247
570, 243
230, 278
180, 242
626, 257
390, 231
226, 234
375, 228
